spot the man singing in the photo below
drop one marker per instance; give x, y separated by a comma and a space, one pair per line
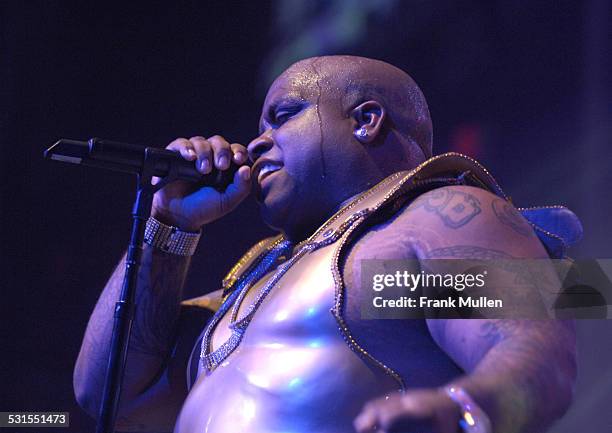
343, 170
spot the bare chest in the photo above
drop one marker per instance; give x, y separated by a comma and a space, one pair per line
292, 362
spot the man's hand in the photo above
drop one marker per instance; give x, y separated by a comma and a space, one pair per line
428, 410
189, 206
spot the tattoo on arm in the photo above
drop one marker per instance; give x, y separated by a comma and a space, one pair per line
495, 331
467, 252
157, 303
157, 306
510, 217
158, 295
538, 360
455, 208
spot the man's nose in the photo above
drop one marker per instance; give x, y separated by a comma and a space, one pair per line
259, 146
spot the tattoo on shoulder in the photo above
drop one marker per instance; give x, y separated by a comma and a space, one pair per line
508, 216
467, 252
455, 208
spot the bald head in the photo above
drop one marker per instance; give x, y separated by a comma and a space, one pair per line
352, 80
330, 128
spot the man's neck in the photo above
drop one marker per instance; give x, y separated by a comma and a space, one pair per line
297, 238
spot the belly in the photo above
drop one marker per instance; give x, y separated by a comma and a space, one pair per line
279, 388
292, 372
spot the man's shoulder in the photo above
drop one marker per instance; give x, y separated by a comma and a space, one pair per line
452, 222
453, 217
454, 206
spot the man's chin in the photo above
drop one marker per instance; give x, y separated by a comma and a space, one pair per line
272, 214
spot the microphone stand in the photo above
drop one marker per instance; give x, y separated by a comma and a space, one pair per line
145, 162
125, 306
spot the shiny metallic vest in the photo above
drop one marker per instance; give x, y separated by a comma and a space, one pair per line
332, 241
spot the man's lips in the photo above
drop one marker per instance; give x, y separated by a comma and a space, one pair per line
264, 168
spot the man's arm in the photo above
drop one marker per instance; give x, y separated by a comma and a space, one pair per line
159, 291
154, 383
521, 371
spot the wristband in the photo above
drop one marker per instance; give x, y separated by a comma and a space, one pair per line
473, 418
170, 239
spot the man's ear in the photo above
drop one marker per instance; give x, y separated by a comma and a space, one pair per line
368, 120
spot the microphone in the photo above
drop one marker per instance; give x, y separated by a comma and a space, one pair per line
130, 158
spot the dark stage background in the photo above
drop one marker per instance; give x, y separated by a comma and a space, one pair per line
523, 86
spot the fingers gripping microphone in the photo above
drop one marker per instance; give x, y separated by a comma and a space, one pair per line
129, 158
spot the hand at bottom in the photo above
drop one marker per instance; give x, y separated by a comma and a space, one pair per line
416, 411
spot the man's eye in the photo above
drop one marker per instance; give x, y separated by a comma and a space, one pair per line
281, 116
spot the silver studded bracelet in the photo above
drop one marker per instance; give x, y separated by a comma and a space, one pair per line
170, 239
